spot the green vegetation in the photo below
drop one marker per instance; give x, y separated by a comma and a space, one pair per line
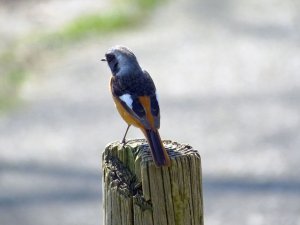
126, 13
147, 4
11, 78
14, 63
9, 86
93, 24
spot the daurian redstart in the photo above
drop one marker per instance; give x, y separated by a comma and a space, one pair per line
134, 94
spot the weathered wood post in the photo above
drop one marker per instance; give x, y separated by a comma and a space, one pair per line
136, 192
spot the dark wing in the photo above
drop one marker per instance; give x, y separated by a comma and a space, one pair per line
128, 91
154, 105
129, 102
155, 111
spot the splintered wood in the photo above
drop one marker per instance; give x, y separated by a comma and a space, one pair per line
136, 192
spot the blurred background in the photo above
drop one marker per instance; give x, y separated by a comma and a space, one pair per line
227, 73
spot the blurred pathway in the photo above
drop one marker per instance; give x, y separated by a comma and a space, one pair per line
228, 69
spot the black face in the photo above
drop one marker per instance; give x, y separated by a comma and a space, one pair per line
112, 62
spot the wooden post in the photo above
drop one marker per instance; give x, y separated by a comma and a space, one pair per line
136, 192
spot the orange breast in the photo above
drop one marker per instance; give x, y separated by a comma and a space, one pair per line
129, 119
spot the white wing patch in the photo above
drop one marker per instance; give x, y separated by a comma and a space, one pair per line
127, 99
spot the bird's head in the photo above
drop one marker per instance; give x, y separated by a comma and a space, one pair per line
121, 61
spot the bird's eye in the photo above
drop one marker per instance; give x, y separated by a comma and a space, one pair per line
110, 57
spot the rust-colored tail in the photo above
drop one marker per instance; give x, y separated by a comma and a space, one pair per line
159, 153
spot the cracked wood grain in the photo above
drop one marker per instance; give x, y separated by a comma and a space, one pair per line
136, 192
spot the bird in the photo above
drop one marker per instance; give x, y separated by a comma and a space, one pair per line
135, 98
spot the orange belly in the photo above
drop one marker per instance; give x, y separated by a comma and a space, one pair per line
126, 116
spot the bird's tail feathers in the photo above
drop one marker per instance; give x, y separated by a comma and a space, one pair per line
159, 153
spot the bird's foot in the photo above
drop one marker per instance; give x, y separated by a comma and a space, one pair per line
123, 142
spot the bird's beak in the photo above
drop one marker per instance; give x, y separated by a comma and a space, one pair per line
103, 60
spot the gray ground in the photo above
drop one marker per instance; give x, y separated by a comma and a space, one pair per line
227, 73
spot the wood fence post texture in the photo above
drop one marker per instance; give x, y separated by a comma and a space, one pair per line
136, 192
